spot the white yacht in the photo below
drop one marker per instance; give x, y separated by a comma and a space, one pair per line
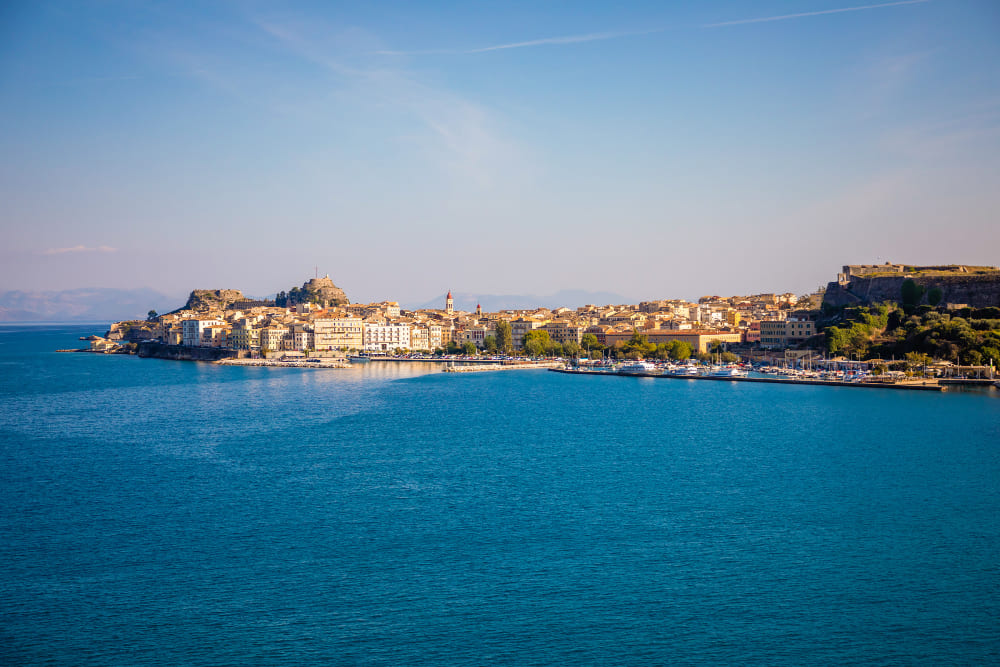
638, 367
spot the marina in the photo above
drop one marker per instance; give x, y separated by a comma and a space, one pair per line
923, 385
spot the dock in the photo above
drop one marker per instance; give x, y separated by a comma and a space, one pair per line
928, 386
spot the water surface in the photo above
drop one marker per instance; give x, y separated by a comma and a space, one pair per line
158, 512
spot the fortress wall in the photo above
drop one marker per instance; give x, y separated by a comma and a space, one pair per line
979, 291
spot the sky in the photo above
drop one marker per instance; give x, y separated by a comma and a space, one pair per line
654, 150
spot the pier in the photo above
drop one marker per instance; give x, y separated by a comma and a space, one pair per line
927, 386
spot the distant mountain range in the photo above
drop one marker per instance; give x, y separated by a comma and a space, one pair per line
495, 302
112, 304
84, 305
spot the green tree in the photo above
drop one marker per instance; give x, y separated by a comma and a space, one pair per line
836, 340
991, 354
680, 350
638, 344
916, 360
504, 337
934, 296
469, 348
590, 343
151, 315
911, 292
490, 342
533, 347
541, 339
972, 357
572, 348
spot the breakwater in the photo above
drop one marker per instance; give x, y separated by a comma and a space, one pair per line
930, 386
275, 363
479, 368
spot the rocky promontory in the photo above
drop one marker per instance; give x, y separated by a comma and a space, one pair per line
205, 299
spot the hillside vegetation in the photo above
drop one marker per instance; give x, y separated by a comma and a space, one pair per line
888, 330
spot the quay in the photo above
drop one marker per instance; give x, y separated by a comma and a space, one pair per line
550, 365
274, 363
443, 360
968, 382
828, 383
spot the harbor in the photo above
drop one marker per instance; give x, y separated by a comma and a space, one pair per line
921, 385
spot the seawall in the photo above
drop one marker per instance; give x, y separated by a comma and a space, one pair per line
184, 353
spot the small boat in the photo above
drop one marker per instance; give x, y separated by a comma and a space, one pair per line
359, 359
638, 367
728, 372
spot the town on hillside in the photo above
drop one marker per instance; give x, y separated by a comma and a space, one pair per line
849, 317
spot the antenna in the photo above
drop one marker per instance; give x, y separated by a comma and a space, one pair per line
317, 271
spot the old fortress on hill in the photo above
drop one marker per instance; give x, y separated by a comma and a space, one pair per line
318, 319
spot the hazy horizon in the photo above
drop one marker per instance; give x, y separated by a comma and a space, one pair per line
407, 149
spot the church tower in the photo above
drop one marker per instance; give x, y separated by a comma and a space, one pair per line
479, 310
449, 304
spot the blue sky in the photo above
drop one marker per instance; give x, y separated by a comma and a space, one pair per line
652, 149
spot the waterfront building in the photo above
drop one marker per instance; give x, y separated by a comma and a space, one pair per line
419, 338
776, 334
244, 336
477, 335
520, 327
173, 334
562, 331
599, 331
435, 338
273, 337
386, 337
343, 332
193, 331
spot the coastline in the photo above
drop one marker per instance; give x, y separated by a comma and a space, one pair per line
926, 386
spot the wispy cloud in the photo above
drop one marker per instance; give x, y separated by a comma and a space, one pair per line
545, 41
78, 249
785, 17
451, 132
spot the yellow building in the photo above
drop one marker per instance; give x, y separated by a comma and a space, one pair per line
338, 333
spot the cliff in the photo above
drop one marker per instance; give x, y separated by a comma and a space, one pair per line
220, 299
976, 290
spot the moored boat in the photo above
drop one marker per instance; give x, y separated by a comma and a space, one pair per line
638, 367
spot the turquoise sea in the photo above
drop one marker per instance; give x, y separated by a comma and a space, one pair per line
172, 513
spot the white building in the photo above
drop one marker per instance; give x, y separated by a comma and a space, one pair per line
273, 338
193, 332
386, 337
420, 338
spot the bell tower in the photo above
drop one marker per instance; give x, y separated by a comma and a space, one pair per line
449, 304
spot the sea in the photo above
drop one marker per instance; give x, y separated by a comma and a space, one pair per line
180, 513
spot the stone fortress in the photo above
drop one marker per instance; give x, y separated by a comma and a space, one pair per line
327, 294
976, 286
